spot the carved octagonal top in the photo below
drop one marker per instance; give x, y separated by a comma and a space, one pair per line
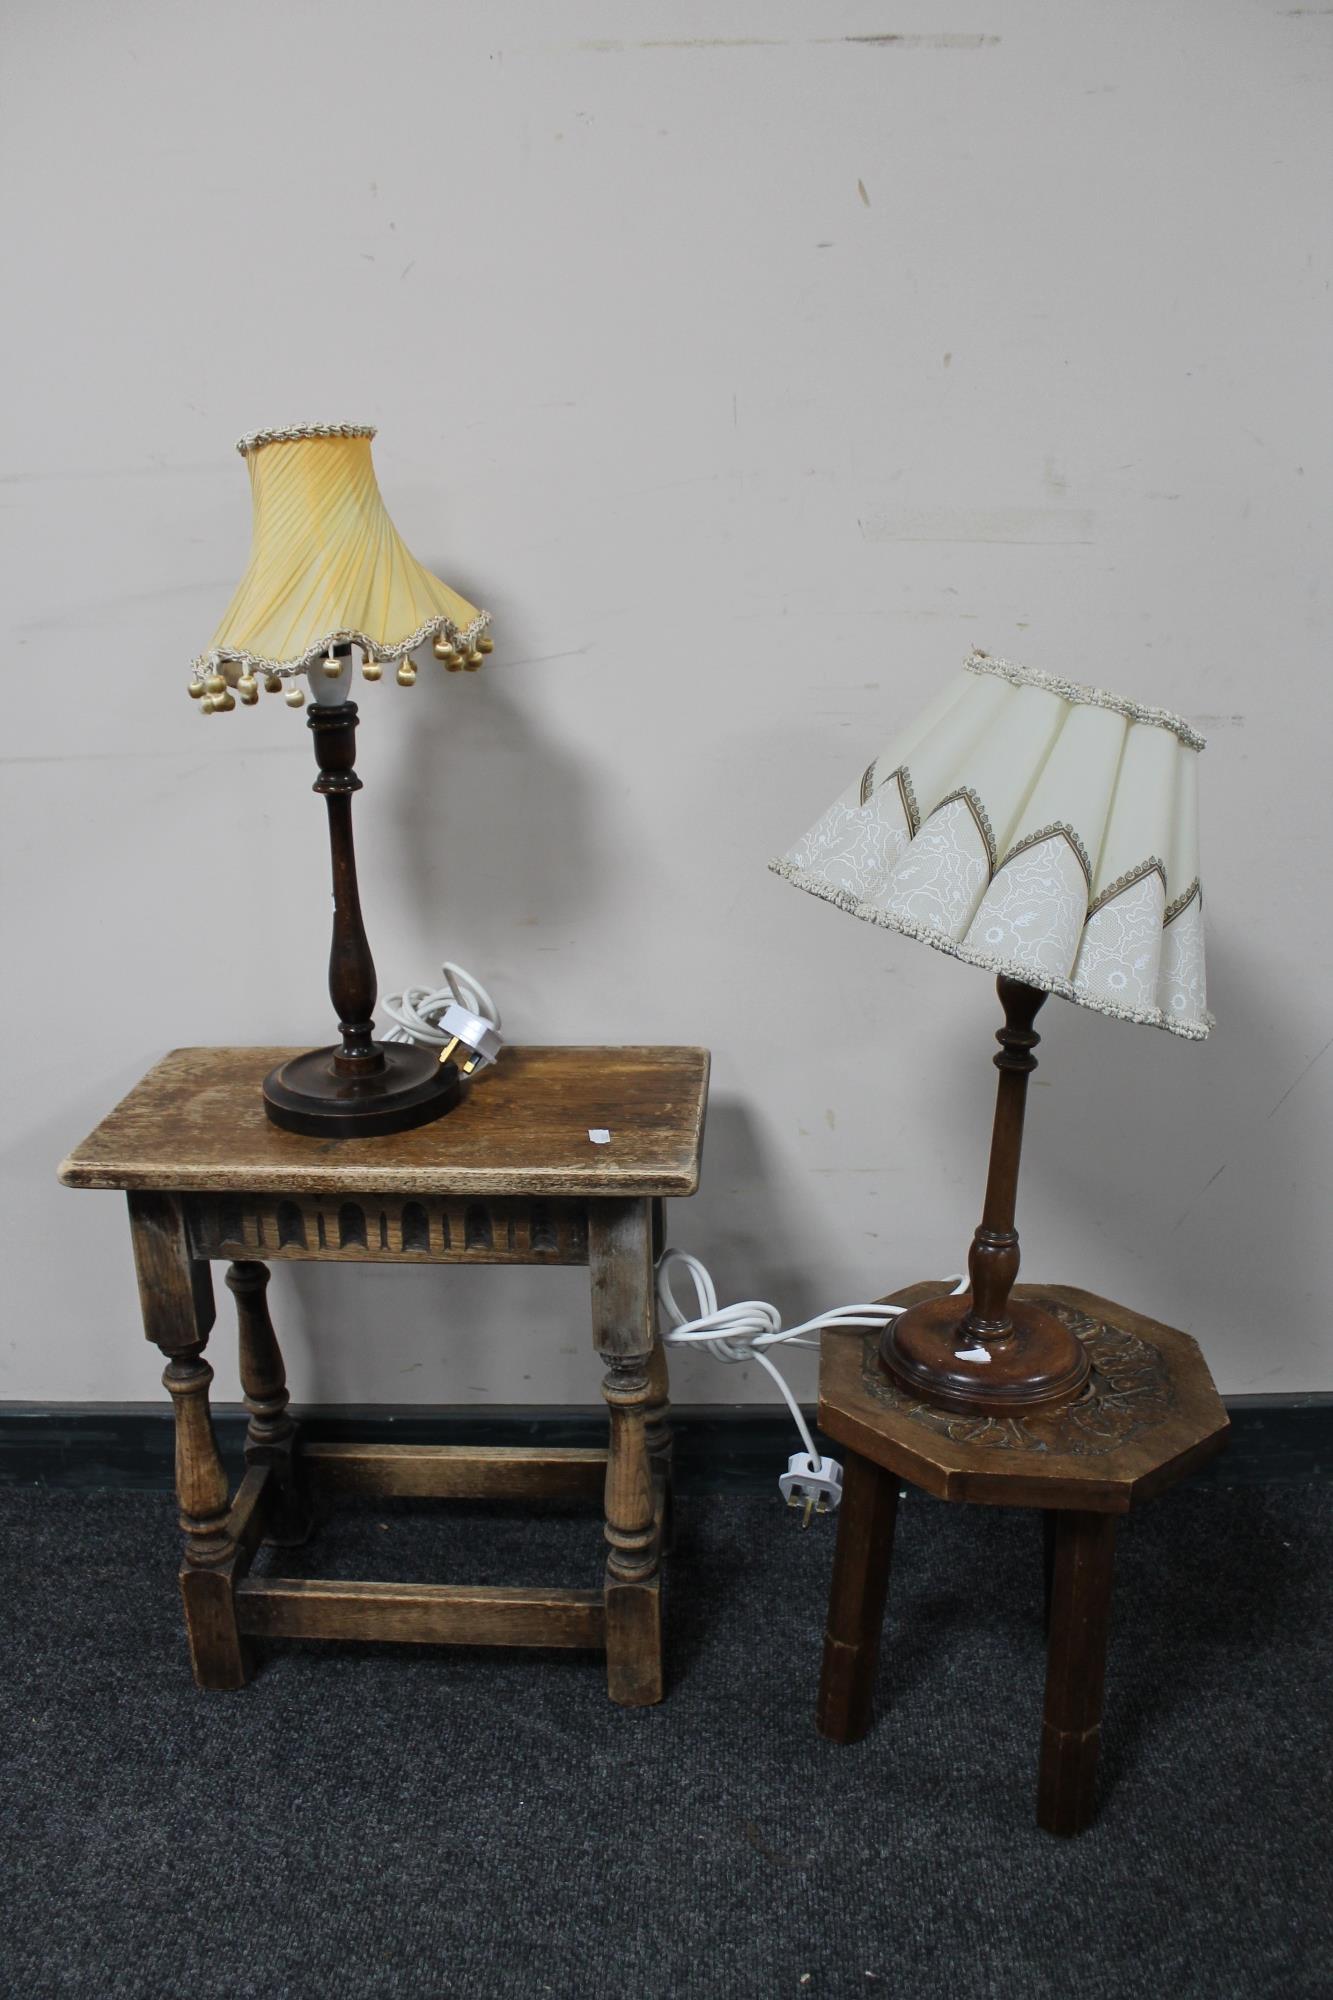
1149, 1414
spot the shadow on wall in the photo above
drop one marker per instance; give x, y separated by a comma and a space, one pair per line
748, 1233
436, 1334
1152, 1144
450, 1334
491, 825
493, 821
745, 1228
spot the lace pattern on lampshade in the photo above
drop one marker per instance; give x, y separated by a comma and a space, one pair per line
1089, 801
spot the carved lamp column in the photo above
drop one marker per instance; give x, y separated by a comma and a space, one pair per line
1047, 832
327, 572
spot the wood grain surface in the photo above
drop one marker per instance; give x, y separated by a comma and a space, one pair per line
197, 1122
431, 1614
1149, 1415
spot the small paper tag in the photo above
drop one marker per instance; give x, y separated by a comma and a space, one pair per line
977, 1353
599, 1135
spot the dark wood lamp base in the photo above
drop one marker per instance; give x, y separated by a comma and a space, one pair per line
357, 1088
983, 1351
1038, 1362
310, 1095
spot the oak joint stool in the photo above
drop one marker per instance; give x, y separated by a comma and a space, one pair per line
557, 1156
1149, 1415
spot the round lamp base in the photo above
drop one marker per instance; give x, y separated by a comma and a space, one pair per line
1038, 1363
307, 1094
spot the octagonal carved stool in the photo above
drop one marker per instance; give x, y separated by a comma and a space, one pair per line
1149, 1415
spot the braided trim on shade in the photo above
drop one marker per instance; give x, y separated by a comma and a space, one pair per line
1151, 1017
293, 433
1179, 904
908, 797
1074, 691
220, 658
972, 800
1057, 828
1152, 865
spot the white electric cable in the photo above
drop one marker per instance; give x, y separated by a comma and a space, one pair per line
744, 1331
462, 1009
417, 1011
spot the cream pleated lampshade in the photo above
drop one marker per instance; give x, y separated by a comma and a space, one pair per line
327, 567
1036, 828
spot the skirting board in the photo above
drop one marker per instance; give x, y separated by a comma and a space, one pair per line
719, 1449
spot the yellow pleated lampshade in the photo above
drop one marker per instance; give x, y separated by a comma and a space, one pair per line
1037, 828
327, 566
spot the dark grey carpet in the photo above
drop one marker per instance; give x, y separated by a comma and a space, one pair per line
388, 1822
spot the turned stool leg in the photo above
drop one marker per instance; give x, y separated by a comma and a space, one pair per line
176, 1298
866, 1519
624, 1332
658, 1414
633, 1596
1076, 1669
271, 1437
657, 1435
219, 1655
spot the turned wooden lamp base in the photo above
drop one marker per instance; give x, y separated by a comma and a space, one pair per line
930, 1354
986, 1351
358, 1088
310, 1095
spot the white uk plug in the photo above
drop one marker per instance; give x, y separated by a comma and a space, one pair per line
478, 1040
812, 1483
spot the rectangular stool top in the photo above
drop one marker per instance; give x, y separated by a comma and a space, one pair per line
525, 1127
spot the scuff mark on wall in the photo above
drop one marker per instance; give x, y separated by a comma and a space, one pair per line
1300, 1079
1056, 527
613, 48
945, 41
604, 47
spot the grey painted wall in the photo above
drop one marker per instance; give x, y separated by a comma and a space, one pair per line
751, 367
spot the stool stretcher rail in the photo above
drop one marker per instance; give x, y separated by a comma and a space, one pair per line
457, 1472
430, 1614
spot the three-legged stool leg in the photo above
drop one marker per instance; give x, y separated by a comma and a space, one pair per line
1080, 1609
860, 1591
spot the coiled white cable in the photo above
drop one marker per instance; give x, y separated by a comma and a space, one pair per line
745, 1331
737, 1333
417, 1011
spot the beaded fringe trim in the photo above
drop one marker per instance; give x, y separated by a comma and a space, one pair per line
1045, 982
1074, 691
293, 433
219, 658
